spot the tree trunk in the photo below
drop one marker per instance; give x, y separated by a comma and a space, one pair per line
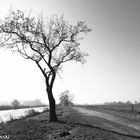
53, 116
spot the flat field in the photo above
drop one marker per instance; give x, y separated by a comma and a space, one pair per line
72, 126
119, 110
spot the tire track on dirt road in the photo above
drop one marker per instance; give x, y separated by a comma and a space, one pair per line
110, 118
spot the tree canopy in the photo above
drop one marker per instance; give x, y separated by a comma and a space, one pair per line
48, 42
66, 98
15, 103
53, 41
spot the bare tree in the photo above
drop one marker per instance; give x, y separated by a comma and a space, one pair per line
49, 43
15, 103
66, 98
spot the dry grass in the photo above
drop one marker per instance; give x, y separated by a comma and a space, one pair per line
123, 111
39, 128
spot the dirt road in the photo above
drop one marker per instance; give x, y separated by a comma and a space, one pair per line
111, 122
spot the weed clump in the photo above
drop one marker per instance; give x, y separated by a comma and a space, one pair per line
31, 113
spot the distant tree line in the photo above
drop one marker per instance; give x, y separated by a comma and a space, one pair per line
35, 102
120, 102
16, 104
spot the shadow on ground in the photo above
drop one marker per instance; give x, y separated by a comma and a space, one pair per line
72, 126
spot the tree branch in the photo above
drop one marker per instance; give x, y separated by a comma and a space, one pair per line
43, 72
54, 42
53, 78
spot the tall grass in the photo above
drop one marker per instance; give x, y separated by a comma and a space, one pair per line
31, 113
11, 118
45, 110
1, 121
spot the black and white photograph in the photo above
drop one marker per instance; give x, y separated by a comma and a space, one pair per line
70, 70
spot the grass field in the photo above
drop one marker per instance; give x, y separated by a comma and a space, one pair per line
71, 127
118, 107
120, 110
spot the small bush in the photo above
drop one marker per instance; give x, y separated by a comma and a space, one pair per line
66, 98
15, 103
31, 113
11, 118
45, 110
1, 121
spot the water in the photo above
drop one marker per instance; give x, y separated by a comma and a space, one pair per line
5, 115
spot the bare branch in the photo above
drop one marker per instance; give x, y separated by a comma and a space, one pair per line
51, 42
43, 72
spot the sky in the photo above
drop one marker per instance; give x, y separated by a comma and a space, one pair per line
112, 71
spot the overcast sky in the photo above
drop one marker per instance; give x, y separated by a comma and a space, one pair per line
112, 71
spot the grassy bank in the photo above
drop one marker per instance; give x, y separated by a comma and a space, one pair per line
71, 127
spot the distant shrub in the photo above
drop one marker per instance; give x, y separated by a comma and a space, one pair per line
66, 98
31, 113
1, 121
15, 103
45, 110
11, 118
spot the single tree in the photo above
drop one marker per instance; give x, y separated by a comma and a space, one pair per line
49, 43
15, 103
66, 98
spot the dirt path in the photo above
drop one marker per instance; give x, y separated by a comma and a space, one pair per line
110, 119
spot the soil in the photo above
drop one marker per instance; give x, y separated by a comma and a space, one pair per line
72, 126
109, 117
